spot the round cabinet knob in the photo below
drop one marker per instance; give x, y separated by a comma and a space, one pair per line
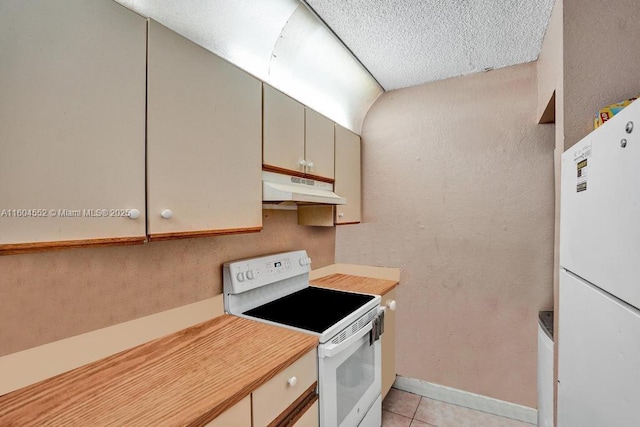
340, 214
292, 381
166, 214
134, 213
302, 163
250, 275
310, 165
392, 305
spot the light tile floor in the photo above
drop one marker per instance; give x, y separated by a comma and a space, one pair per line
402, 409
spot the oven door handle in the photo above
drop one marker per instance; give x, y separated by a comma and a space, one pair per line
330, 349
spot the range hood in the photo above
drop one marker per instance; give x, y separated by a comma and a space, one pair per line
278, 188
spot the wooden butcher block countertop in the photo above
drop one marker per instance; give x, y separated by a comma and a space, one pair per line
348, 282
186, 378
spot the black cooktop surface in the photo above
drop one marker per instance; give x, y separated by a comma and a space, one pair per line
312, 309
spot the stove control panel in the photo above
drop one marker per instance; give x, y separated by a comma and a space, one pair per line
244, 275
278, 266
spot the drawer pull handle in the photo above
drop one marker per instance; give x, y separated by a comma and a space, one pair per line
292, 381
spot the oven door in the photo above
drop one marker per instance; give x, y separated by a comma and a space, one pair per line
350, 381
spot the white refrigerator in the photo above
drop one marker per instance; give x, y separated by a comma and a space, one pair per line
599, 316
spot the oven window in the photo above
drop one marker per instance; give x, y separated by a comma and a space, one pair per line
354, 377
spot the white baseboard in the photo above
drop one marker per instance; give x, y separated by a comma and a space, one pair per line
467, 399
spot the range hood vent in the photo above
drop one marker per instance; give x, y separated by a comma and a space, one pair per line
284, 188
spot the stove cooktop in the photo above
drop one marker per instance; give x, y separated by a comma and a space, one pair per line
313, 309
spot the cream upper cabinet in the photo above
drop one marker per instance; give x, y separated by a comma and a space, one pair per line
348, 179
296, 139
72, 124
204, 123
319, 145
283, 132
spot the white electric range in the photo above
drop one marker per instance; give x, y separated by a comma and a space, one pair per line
275, 289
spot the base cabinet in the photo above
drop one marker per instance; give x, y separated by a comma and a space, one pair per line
274, 398
239, 415
310, 418
288, 399
389, 342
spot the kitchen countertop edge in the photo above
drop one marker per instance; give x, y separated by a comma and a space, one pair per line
66, 396
354, 283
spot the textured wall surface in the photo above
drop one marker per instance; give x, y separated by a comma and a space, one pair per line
550, 81
550, 59
53, 295
458, 192
601, 60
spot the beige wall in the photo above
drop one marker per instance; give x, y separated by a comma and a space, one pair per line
549, 61
550, 80
458, 192
53, 295
601, 60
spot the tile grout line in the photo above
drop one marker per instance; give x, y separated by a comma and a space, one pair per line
413, 417
415, 411
400, 415
422, 398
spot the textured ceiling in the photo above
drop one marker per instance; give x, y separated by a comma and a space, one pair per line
409, 42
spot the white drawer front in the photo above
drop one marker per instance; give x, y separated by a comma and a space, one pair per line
239, 415
310, 418
272, 398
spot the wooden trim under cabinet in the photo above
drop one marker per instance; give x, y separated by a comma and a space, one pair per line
297, 409
205, 233
320, 178
23, 248
348, 223
275, 169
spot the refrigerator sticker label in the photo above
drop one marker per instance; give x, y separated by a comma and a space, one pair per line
582, 153
582, 176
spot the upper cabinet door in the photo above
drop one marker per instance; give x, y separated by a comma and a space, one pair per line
319, 143
72, 124
283, 132
203, 141
348, 176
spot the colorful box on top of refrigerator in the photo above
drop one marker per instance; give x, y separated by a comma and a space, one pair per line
606, 113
